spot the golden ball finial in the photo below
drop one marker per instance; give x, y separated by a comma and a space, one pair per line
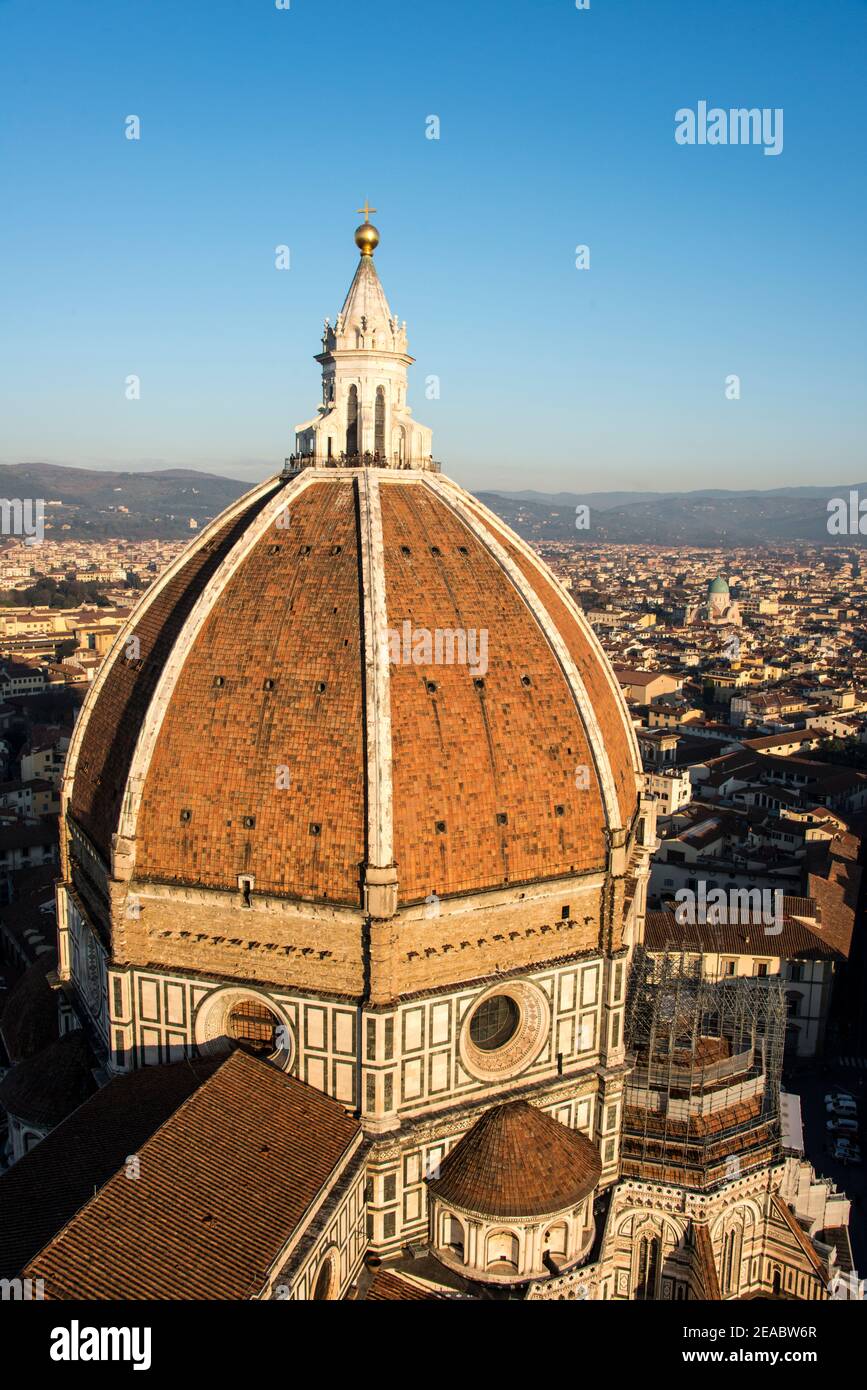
366, 236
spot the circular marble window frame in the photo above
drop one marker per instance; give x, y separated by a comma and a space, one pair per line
210, 1027
525, 1044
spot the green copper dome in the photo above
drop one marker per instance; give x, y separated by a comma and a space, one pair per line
718, 586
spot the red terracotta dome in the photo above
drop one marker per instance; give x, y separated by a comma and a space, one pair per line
270, 709
516, 1161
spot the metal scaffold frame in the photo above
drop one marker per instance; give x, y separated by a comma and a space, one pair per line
702, 1102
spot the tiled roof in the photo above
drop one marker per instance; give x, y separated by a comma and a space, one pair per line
834, 881
705, 1261
46, 1187
483, 762
47, 1087
28, 1022
662, 932
222, 1186
119, 706
801, 1237
518, 1161
388, 1286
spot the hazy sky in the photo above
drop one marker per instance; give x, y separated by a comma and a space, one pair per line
262, 126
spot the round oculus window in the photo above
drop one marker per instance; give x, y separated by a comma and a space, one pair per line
253, 1028
494, 1023
505, 1032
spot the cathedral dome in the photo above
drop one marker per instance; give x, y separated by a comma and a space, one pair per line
516, 1161
353, 672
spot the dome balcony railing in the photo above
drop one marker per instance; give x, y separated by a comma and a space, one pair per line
295, 462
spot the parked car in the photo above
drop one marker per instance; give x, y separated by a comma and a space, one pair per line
843, 1124
836, 1114
840, 1102
845, 1141
847, 1156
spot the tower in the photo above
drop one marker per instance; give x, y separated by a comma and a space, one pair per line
364, 360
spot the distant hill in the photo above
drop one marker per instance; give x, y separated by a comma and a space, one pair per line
160, 504
709, 517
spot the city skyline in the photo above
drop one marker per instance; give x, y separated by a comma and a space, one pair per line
156, 256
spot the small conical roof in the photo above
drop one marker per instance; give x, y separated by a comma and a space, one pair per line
518, 1161
366, 299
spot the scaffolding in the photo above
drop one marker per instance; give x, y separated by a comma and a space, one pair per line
702, 1102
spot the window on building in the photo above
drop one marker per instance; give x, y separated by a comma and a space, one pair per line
323, 1288
253, 1028
502, 1252
352, 421
494, 1022
648, 1267
454, 1235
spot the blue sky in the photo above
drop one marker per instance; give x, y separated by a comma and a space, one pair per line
262, 126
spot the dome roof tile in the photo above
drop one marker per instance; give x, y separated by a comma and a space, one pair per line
516, 1161
265, 731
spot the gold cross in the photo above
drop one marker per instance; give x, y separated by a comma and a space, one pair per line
365, 211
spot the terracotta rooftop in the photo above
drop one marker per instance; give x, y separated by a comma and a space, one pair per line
791, 1221
45, 1088
797, 940
705, 1261
45, 1188
390, 1287
274, 670
223, 1185
28, 1021
518, 1161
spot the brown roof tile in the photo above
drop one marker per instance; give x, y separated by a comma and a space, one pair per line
484, 770
46, 1187
290, 614
223, 1185
518, 1161
45, 1088
117, 714
388, 1286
